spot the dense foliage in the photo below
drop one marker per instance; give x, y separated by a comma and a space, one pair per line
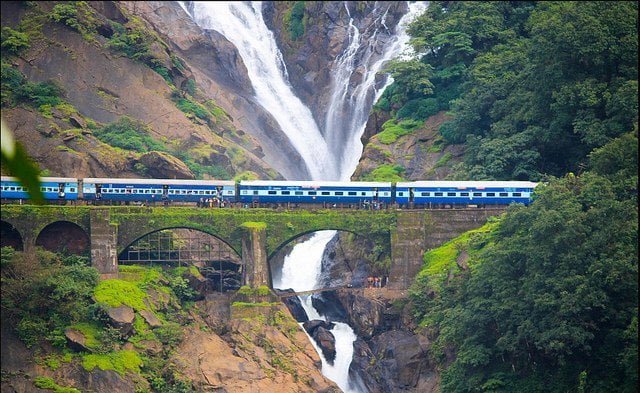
549, 300
532, 87
44, 293
129, 134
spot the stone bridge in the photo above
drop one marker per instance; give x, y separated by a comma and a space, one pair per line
255, 234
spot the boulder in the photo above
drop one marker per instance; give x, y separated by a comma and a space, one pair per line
76, 340
122, 318
161, 165
295, 307
327, 343
151, 318
77, 121
311, 326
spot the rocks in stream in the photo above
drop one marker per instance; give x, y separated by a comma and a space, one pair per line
294, 306
320, 331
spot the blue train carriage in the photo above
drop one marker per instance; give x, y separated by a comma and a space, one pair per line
53, 188
464, 192
277, 191
160, 190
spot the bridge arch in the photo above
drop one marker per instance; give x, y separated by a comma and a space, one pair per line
351, 258
10, 236
122, 247
64, 236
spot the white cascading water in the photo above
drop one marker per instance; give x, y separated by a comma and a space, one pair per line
242, 24
334, 158
349, 106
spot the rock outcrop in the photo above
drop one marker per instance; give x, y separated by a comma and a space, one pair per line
321, 334
422, 153
161, 165
121, 318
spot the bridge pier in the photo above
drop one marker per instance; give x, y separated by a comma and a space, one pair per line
104, 241
254, 255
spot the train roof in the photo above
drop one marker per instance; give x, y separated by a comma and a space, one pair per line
45, 179
469, 184
172, 182
313, 183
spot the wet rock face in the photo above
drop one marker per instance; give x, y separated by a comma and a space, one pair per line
295, 307
327, 304
310, 59
319, 330
402, 359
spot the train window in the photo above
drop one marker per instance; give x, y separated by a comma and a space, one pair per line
491, 194
255, 192
504, 194
325, 193
339, 193
477, 194
72, 189
243, 192
285, 192
517, 194
13, 188
451, 194
400, 193
271, 192
312, 192
135, 191
363, 193
425, 193
464, 194
299, 193
352, 193
438, 194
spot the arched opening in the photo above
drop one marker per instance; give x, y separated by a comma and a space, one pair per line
10, 237
216, 260
347, 260
65, 237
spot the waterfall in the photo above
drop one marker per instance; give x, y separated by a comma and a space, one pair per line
334, 156
349, 106
243, 25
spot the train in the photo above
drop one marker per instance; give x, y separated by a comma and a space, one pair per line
266, 193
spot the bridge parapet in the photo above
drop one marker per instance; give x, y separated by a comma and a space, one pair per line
408, 233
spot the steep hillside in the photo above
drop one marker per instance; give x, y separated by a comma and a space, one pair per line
80, 81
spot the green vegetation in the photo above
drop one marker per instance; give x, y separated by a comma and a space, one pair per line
17, 90
120, 361
386, 172
129, 134
532, 87
262, 290
548, 299
115, 293
48, 383
392, 130
45, 294
13, 41
78, 16
294, 20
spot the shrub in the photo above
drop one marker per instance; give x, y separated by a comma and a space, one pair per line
386, 172
294, 20
391, 130
14, 41
129, 134
419, 109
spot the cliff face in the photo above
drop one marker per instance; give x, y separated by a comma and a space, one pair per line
418, 155
311, 57
186, 108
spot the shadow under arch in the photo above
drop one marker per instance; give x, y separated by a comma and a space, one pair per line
214, 258
121, 248
64, 236
10, 236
